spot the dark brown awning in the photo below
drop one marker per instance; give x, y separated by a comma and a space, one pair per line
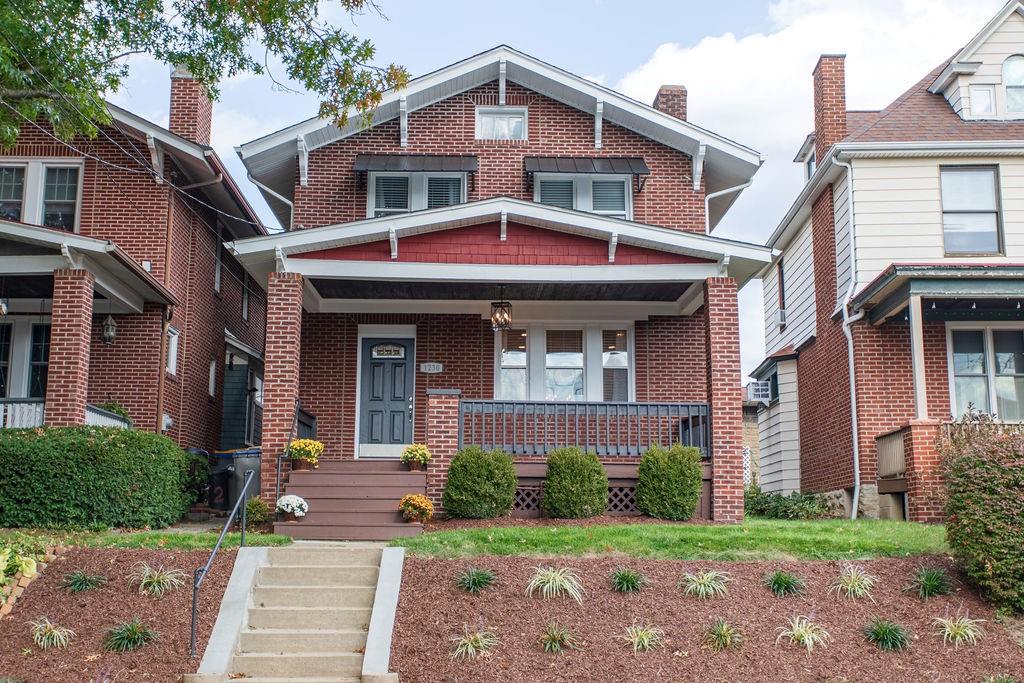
415, 162
618, 165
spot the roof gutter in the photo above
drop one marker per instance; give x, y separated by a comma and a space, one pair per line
275, 195
709, 197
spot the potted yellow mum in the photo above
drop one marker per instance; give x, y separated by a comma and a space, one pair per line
416, 508
415, 456
305, 453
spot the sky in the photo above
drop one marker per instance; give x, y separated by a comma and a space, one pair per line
746, 65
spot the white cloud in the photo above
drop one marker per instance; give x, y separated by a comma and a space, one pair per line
756, 89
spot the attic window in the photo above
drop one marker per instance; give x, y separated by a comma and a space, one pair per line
501, 123
1013, 79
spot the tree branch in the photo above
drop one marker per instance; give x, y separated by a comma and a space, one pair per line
28, 94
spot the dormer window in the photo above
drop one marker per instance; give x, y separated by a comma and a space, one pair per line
501, 123
1013, 80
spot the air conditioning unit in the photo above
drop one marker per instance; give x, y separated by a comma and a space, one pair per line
759, 391
780, 317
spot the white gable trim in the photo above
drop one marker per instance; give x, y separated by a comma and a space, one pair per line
962, 64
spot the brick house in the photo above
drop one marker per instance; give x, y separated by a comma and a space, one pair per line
509, 255
116, 288
896, 300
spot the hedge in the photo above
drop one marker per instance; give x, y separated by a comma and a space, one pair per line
82, 477
576, 485
984, 472
669, 482
796, 505
481, 484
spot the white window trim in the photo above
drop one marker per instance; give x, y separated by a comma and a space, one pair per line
987, 328
212, 385
977, 87
593, 367
502, 110
173, 341
417, 189
245, 296
19, 365
219, 250
35, 181
583, 199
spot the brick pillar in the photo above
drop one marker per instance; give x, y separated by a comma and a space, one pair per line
829, 103
725, 397
280, 374
442, 439
924, 471
67, 382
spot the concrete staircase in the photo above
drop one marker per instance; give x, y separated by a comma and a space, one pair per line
353, 501
309, 614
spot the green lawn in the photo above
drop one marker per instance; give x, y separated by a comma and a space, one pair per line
162, 540
755, 539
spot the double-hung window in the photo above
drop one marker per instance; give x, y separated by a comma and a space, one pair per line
41, 192
601, 194
970, 209
501, 123
396, 193
39, 361
173, 336
1013, 81
988, 371
560, 363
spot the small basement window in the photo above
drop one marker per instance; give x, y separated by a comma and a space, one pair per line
501, 123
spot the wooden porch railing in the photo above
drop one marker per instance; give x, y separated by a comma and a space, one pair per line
524, 428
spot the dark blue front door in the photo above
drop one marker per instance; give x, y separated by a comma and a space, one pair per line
385, 392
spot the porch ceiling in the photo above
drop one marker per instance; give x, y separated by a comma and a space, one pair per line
469, 291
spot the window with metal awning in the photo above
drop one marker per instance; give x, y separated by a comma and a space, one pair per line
621, 166
414, 163
601, 185
399, 183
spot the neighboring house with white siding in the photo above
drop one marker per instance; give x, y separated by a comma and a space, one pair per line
901, 266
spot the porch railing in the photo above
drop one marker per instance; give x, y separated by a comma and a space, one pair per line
21, 412
98, 417
523, 428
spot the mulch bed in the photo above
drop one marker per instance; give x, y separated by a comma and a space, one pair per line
89, 614
603, 520
432, 610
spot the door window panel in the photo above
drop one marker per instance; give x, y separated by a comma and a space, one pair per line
513, 375
615, 364
563, 372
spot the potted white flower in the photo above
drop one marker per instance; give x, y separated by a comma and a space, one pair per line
292, 507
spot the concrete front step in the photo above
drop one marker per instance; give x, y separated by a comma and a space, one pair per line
303, 575
310, 664
302, 640
354, 618
360, 479
318, 679
379, 532
319, 555
313, 596
320, 518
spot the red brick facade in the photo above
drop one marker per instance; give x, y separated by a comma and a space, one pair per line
335, 194
71, 318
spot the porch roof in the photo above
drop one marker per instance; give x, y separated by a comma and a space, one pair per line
31, 251
1000, 286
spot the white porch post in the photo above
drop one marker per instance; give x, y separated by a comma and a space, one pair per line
917, 357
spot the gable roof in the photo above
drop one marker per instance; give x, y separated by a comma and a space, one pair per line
271, 159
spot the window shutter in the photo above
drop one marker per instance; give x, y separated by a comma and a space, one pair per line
443, 192
557, 193
609, 196
391, 193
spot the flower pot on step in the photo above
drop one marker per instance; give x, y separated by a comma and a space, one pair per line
289, 517
414, 465
302, 465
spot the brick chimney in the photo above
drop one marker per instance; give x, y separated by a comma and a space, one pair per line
191, 110
671, 99
829, 103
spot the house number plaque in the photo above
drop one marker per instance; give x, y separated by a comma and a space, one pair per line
431, 368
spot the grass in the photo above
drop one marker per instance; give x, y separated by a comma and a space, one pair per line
625, 580
705, 585
643, 638
805, 633
929, 582
474, 579
78, 582
722, 635
131, 635
783, 583
157, 581
556, 638
853, 582
46, 634
154, 540
755, 539
555, 583
472, 644
887, 635
959, 630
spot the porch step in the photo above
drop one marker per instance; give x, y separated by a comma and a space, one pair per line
313, 596
355, 618
353, 505
325, 556
309, 663
362, 466
348, 532
391, 516
352, 492
302, 640
359, 479
317, 575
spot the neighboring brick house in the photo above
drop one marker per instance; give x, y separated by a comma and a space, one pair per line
902, 266
116, 288
499, 187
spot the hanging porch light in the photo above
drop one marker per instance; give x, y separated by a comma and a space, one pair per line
501, 312
109, 333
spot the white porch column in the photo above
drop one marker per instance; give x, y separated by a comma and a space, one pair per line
917, 357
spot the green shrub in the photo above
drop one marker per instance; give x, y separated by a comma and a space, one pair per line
984, 475
576, 485
669, 482
87, 477
796, 505
481, 484
257, 513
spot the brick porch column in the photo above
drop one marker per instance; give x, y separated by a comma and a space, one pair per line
67, 381
442, 439
924, 471
725, 398
280, 374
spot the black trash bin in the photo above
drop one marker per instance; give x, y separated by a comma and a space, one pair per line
241, 461
221, 471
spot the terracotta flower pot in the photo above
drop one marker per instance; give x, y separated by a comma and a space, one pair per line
289, 517
414, 465
302, 465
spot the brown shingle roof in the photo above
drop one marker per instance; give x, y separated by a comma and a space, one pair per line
918, 115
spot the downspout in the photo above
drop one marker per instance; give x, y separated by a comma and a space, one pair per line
165, 320
275, 195
709, 197
848, 320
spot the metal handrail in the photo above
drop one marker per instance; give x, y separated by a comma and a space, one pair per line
200, 573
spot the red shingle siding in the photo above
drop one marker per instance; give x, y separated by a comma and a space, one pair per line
524, 245
68, 373
336, 195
